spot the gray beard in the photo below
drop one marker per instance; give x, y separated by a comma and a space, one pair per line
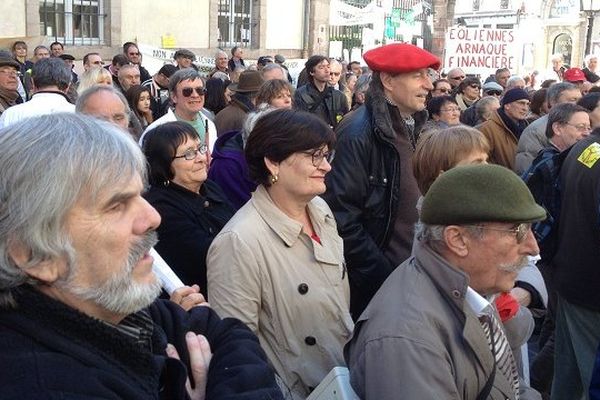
120, 294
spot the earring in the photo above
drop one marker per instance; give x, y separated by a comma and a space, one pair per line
274, 179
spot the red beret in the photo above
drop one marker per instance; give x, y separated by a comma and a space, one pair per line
398, 58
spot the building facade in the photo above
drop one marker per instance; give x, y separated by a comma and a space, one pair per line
294, 28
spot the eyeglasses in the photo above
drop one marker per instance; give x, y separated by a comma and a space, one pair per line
187, 92
475, 86
191, 154
493, 93
318, 156
10, 72
460, 77
580, 127
443, 90
450, 109
520, 231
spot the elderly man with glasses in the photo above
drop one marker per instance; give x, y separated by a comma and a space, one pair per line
186, 89
9, 82
432, 331
455, 77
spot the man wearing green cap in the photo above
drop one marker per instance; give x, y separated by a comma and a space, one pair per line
430, 332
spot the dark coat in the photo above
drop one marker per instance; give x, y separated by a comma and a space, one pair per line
363, 191
190, 221
331, 104
51, 351
228, 168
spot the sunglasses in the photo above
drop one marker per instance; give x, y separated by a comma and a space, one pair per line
187, 92
493, 92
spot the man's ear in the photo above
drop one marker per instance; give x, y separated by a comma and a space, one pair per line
386, 80
456, 240
47, 271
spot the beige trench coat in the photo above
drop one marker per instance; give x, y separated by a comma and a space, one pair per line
291, 291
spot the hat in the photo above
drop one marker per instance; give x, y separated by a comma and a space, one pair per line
279, 59
399, 58
479, 193
489, 86
250, 81
264, 60
65, 56
185, 53
513, 95
573, 75
4, 61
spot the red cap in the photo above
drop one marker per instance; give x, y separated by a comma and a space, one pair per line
573, 75
398, 58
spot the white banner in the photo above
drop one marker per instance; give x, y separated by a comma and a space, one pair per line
480, 51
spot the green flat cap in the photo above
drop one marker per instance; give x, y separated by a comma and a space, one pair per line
479, 193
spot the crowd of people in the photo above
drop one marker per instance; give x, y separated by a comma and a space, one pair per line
414, 226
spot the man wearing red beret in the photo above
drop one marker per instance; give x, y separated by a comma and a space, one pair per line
371, 188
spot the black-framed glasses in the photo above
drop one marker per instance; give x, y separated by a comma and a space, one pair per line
493, 92
443, 90
191, 154
521, 231
317, 156
187, 92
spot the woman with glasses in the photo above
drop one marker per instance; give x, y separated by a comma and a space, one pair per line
443, 113
193, 209
278, 264
441, 87
468, 92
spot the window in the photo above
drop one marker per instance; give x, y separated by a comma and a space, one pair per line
73, 22
234, 23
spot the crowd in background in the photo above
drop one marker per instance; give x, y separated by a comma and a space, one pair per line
289, 207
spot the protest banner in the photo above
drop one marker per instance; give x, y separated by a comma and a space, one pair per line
480, 51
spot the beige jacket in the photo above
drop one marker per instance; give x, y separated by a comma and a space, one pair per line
291, 291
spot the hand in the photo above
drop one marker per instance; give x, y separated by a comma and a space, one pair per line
188, 297
200, 355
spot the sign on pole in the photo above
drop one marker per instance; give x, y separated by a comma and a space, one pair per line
480, 51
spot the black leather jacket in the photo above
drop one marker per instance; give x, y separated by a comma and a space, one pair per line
330, 105
363, 190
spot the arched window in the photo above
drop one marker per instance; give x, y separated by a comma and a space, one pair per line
563, 44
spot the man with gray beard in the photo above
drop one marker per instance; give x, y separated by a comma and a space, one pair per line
431, 331
78, 311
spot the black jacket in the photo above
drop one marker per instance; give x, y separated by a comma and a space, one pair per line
363, 191
189, 223
51, 351
330, 104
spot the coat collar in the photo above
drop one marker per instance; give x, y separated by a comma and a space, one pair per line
290, 231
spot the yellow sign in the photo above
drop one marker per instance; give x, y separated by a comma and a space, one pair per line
590, 155
168, 42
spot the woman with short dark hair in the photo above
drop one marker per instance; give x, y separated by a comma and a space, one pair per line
468, 92
443, 113
193, 209
278, 264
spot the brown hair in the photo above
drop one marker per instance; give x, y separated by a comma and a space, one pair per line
270, 89
441, 150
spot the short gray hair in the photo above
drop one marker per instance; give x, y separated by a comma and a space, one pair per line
482, 105
510, 83
51, 72
84, 97
183, 75
555, 90
433, 235
48, 163
272, 66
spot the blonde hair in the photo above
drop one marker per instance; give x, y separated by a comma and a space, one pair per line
91, 77
441, 150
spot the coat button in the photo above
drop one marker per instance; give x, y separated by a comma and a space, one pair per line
303, 288
456, 294
206, 204
384, 180
310, 340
